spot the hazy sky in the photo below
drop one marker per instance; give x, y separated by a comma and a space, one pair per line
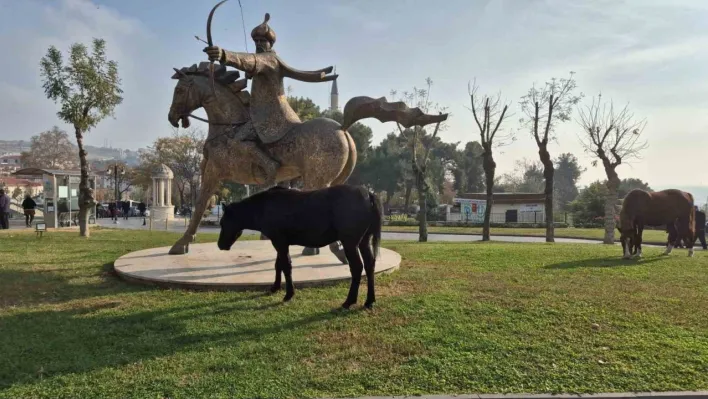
652, 54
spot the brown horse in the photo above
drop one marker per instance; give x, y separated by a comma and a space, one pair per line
660, 208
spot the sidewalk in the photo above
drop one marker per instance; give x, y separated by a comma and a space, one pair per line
618, 395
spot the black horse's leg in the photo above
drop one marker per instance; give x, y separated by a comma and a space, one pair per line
370, 268
355, 267
287, 267
278, 273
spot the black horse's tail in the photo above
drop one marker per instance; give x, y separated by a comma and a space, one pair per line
375, 227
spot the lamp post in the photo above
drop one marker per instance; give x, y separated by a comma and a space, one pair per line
115, 172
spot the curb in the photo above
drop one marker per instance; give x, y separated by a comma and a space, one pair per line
514, 235
617, 395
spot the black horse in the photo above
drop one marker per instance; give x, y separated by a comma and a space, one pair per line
314, 219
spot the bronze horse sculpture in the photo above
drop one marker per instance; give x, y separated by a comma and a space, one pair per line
661, 208
257, 138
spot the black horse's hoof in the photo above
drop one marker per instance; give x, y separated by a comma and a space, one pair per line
347, 305
288, 297
273, 289
369, 305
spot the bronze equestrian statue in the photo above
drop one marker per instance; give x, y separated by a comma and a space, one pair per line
256, 137
660, 208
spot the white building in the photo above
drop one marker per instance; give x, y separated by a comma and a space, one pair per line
506, 208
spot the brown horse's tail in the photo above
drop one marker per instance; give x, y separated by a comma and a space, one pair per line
350, 164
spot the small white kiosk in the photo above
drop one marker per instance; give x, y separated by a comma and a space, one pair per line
61, 194
162, 207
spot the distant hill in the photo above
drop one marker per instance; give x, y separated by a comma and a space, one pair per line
94, 153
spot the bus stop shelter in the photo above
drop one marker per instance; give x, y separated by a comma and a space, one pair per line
61, 194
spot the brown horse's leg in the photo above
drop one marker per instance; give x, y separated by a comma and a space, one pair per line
687, 233
673, 236
210, 179
639, 238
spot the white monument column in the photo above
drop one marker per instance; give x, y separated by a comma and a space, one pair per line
162, 193
154, 192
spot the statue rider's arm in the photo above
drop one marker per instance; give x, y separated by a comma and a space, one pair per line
248, 62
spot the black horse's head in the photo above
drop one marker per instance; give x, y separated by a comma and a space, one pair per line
231, 226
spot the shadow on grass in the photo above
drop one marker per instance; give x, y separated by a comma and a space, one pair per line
615, 261
45, 344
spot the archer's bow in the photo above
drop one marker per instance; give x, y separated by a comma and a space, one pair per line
211, 43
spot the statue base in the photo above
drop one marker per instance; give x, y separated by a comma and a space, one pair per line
162, 212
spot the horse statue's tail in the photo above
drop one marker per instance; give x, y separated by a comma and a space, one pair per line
375, 227
364, 107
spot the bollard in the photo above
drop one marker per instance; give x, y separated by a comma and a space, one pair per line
150, 228
165, 224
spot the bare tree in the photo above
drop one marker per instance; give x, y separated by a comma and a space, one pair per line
182, 153
613, 136
51, 149
489, 113
544, 108
417, 137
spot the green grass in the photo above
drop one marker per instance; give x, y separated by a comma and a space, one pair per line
650, 236
457, 317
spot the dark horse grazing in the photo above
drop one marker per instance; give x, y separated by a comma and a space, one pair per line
660, 208
314, 219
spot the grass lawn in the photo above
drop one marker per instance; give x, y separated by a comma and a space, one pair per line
649, 236
456, 318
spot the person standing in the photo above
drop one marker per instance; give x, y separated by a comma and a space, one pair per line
142, 208
29, 206
701, 227
4, 210
126, 209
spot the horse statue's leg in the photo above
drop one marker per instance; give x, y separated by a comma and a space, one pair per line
210, 179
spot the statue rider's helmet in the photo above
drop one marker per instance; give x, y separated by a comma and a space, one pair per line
263, 36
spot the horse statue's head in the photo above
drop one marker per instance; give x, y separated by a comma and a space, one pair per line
194, 91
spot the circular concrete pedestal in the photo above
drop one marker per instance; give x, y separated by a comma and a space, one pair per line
248, 265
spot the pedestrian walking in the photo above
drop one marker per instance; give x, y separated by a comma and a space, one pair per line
29, 206
4, 210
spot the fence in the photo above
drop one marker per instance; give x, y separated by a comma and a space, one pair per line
532, 217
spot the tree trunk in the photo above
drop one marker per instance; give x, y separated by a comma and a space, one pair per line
489, 167
612, 185
86, 200
422, 213
407, 197
387, 204
548, 172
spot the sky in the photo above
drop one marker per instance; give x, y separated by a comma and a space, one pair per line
649, 54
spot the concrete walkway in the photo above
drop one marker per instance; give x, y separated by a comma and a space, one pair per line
619, 395
178, 226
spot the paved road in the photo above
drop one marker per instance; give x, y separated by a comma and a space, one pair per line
179, 226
